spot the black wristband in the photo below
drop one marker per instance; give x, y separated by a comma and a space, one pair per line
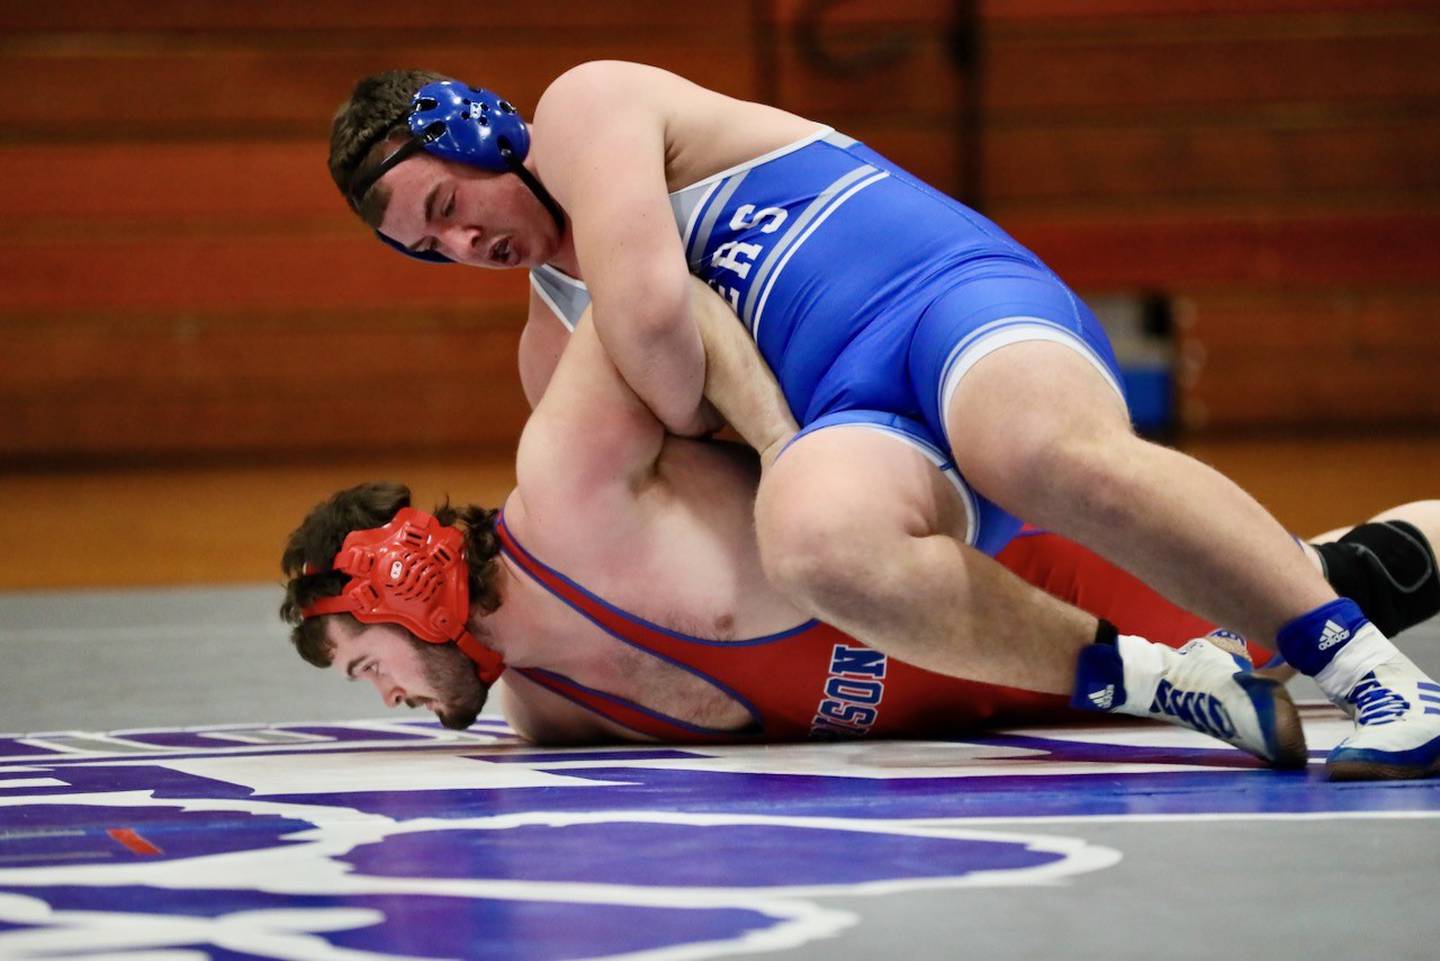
1105, 633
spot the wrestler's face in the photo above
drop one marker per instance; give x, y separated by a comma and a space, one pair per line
406, 670
470, 215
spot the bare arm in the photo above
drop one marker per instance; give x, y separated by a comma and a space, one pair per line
737, 382
590, 439
541, 343
600, 140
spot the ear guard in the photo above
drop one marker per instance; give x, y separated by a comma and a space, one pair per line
468, 125
411, 572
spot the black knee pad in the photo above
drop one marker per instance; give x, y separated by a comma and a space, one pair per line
1388, 568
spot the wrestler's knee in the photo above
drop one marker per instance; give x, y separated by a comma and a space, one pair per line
1061, 474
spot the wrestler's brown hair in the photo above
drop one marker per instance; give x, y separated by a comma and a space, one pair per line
368, 127
317, 540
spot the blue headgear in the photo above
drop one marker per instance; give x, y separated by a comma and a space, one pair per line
453, 121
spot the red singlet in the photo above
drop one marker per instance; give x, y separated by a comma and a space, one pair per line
815, 682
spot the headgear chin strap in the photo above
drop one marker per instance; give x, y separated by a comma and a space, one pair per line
411, 572
453, 121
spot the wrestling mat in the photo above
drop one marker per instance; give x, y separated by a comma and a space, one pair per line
398, 839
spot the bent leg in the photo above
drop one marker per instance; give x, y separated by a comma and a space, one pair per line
1401, 582
1424, 516
1079, 576
863, 531
1038, 430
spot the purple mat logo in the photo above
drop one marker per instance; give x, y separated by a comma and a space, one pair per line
402, 840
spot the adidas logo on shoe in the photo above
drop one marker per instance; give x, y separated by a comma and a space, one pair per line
1331, 635
1104, 699
1196, 687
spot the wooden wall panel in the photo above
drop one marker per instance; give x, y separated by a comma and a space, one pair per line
178, 277
1178, 252
240, 88
119, 188
1334, 357
173, 258
385, 17
146, 386
1201, 161
920, 82
261, 269
1235, 153
1123, 75
1049, 13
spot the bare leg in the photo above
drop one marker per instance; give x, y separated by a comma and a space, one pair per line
862, 531
1036, 429
865, 533
1425, 515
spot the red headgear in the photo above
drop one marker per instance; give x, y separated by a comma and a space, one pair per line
411, 572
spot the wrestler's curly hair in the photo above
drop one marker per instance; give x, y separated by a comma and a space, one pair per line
366, 127
314, 544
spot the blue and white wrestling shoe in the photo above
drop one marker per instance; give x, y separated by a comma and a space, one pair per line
1396, 707
1200, 687
1397, 726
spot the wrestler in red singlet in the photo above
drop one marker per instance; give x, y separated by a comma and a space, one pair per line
815, 682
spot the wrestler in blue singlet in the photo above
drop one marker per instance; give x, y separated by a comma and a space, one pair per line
868, 292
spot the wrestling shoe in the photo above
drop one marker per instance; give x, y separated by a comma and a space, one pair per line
1395, 706
1397, 726
1199, 687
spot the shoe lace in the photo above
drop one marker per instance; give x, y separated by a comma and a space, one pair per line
1198, 710
1375, 703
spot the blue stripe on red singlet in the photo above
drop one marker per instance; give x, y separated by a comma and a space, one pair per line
580, 600
556, 684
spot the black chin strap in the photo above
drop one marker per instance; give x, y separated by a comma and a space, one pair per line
536, 187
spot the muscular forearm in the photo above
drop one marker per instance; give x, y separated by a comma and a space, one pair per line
737, 382
662, 360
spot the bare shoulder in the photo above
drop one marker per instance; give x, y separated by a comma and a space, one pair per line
590, 446
700, 131
600, 80
542, 717
607, 105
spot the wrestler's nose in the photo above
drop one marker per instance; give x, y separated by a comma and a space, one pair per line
391, 694
459, 240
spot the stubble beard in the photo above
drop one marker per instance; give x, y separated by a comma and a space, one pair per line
458, 691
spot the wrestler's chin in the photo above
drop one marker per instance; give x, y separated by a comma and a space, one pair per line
458, 717
457, 720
